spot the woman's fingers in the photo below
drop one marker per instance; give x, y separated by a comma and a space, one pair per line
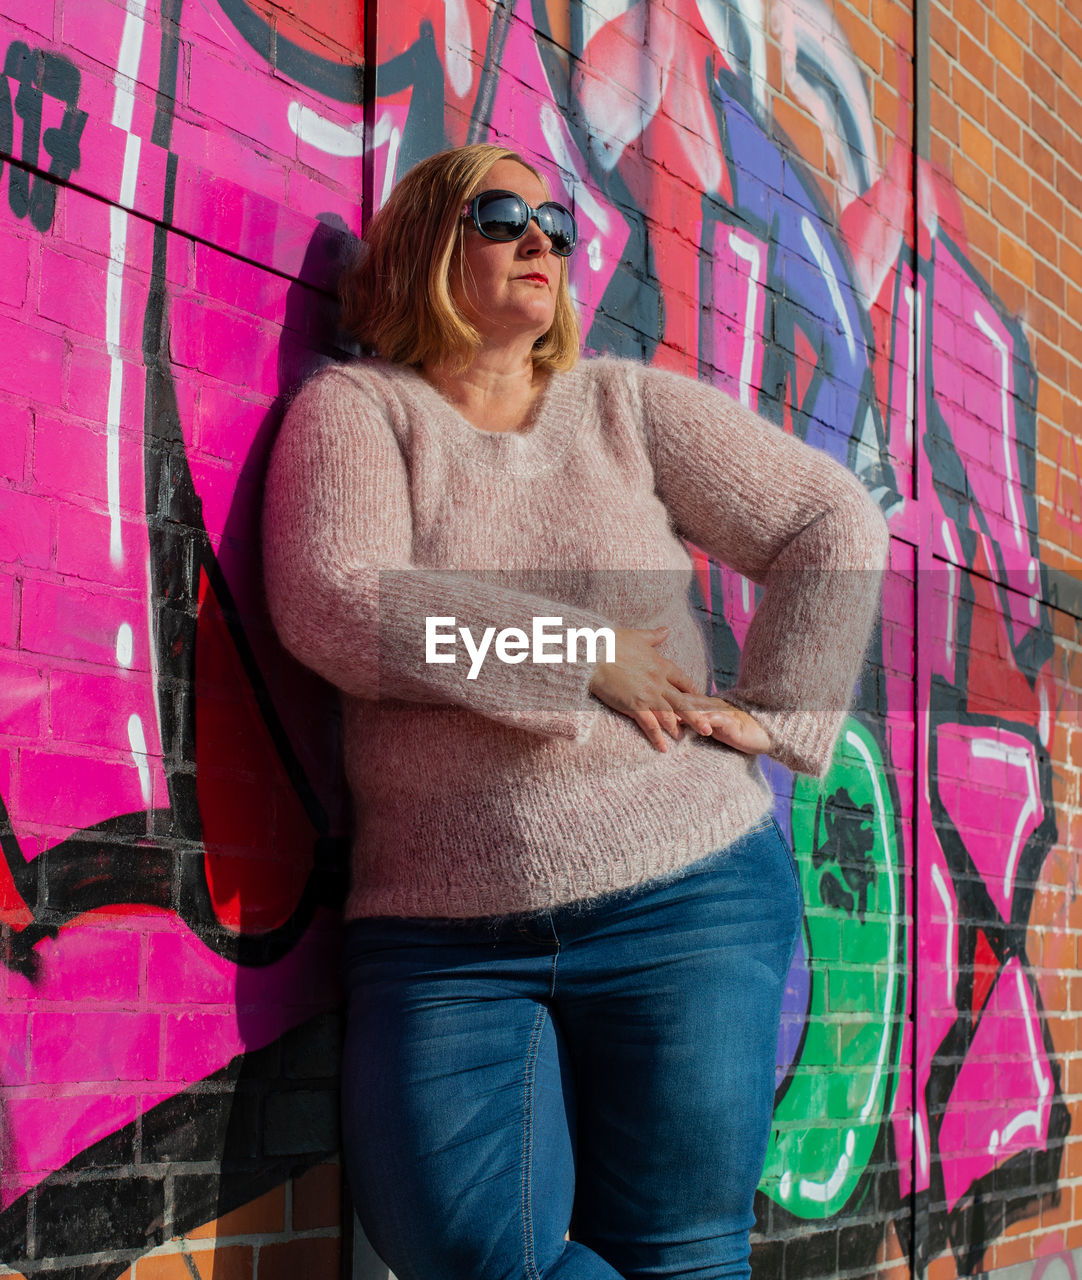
732, 725
638, 682
659, 696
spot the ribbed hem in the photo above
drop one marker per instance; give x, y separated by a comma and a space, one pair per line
677, 821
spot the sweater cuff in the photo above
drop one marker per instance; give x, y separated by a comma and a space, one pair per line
803, 741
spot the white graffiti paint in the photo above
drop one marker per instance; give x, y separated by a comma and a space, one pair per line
811, 36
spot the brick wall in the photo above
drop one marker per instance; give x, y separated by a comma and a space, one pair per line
181, 180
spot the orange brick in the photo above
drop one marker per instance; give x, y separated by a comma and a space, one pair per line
941, 152
1048, 280
886, 108
1048, 124
316, 1256
1070, 32
262, 1216
1048, 47
1072, 303
975, 58
1047, 11
895, 20
802, 132
1055, 213
970, 96
942, 1268
1004, 127
1040, 80
1016, 259
1012, 94
317, 1198
867, 42
1069, 184
1055, 991
1013, 175
944, 29
971, 179
1043, 317
1038, 156
1072, 143
1055, 1211
163, 1266
1006, 210
1009, 1253
983, 234
976, 145
971, 18
1006, 48
1014, 14
1047, 480
237, 1262
939, 70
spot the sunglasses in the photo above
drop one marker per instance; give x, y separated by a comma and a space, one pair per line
502, 215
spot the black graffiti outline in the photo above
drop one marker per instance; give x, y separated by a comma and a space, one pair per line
39, 73
155, 857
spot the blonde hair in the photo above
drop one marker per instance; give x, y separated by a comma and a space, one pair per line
396, 296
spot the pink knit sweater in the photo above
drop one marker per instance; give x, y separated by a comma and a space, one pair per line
516, 789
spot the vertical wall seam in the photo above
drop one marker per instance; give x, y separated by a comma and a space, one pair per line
921, 151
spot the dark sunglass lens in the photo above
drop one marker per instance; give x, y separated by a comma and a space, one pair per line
558, 224
501, 216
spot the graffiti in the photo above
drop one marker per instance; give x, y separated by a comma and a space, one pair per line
38, 75
170, 818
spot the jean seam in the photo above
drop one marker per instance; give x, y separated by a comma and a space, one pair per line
527, 1147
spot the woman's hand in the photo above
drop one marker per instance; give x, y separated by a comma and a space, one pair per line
659, 697
731, 725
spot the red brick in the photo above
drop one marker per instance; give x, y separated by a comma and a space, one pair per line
317, 1198
939, 70
1004, 127
867, 42
971, 16
1047, 124
258, 1217
1045, 243
944, 29
1038, 156
237, 1262
162, 1266
1039, 78
1049, 283
969, 96
1012, 94
1006, 48
315, 1257
975, 58
1007, 211
1013, 175
1043, 196
1069, 184
1070, 31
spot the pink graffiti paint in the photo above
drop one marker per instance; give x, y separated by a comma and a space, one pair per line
1000, 1102
125, 1012
80, 740
997, 797
524, 104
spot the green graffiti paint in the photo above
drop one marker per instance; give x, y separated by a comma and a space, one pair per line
828, 1118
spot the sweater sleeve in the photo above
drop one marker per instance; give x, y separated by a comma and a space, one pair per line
347, 599
792, 519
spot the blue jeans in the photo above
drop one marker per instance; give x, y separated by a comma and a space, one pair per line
604, 1069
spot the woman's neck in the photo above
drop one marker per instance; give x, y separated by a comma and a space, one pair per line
495, 392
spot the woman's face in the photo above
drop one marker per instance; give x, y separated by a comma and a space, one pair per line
507, 289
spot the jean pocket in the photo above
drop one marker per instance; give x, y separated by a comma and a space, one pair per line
793, 868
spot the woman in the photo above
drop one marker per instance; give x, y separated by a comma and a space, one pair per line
571, 914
